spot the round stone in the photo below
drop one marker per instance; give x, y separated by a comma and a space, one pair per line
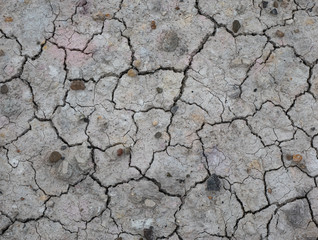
132, 73
158, 135
4, 89
137, 63
149, 203
297, 158
77, 85
280, 34
120, 152
55, 157
170, 41
159, 90
155, 123
236, 26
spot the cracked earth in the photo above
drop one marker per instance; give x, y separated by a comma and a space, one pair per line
159, 119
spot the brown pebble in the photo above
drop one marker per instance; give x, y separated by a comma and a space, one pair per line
77, 85
120, 152
177, 8
297, 158
55, 157
4, 89
1, 53
210, 197
22, 198
269, 190
132, 73
8, 19
137, 63
153, 25
275, 4
289, 157
280, 34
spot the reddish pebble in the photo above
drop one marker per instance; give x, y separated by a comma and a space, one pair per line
120, 152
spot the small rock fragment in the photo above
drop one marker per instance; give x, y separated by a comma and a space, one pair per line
274, 11
168, 174
158, 135
213, 183
132, 73
289, 157
174, 109
55, 157
4, 89
289, 21
159, 90
153, 25
148, 233
120, 152
297, 158
1, 53
280, 34
149, 203
170, 41
264, 4
99, 16
236, 26
269, 190
137, 63
275, 4
8, 19
77, 85
155, 123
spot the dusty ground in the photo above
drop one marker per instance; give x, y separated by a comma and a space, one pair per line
158, 119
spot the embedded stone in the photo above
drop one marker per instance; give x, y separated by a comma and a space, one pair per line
170, 41
213, 183
280, 34
132, 73
77, 85
4, 89
236, 26
55, 157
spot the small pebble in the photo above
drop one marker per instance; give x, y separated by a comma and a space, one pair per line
168, 174
153, 25
1, 53
236, 26
158, 135
148, 233
63, 147
137, 63
55, 157
274, 11
289, 157
289, 21
149, 203
213, 183
264, 4
77, 85
155, 123
269, 190
159, 90
275, 4
170, 41
132, 73
297, 158
120, 152
280, 34
4, 89
174, 109
296, 31
177, 8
